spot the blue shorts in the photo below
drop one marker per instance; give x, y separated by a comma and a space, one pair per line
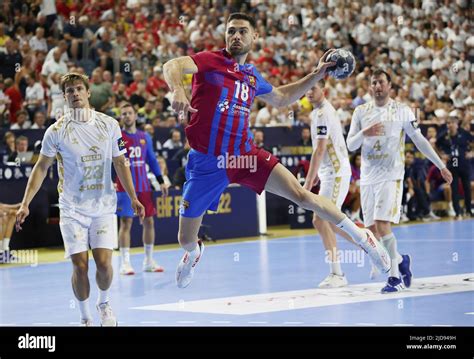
204, 185
206, 179
124, 205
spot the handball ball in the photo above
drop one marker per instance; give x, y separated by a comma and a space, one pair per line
345, 64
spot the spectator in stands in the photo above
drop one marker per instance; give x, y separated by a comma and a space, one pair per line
56, 101
147, 113
14, 95
34, 96
22, 122
21, 147
10, 59
39, 120
174, 142
50, 67
4, 105
456, 143
102, 96
38, 42
164, 170
431, 135
305, 137
417, 199
9, 145
437, 188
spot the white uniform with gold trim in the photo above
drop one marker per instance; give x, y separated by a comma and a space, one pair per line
87, 198
383, 158
335, 169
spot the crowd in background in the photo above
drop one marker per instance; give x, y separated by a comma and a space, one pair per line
427, 46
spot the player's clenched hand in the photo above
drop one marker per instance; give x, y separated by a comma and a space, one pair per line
447, 176
323, 63
21, 215
310, 183
138, 209
376, 129
164, 189
180, 104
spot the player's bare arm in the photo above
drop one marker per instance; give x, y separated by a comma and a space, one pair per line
285, 95
34, 183
316, 159
123, 172
173, 72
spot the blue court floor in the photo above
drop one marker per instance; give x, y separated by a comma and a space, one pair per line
265, 283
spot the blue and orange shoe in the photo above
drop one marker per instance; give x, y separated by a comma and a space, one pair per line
394, 285
405, 272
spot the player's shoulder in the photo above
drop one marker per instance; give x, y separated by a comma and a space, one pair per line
365, 107
402, 106
106, 119
59, 125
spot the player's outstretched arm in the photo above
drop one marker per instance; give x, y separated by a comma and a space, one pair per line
173, 72
34, 183
123, 172
285, 95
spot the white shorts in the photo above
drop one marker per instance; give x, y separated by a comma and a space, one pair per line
335, 189
381, 201
81, 232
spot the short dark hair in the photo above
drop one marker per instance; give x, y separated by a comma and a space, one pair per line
72, 77
126, 104
378, 72
241, 16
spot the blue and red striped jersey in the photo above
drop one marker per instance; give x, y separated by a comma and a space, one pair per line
223, 92
139, 153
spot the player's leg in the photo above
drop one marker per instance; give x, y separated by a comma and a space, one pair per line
7, 235
455, 191
101, 238
148, 236
205, 182
3, 228
465, 176
149, 265
103, 277
81, 285
388, 200
283, 183
446, 188
74, 232
125, 213
124, 243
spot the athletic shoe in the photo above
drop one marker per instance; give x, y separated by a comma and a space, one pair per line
185, 270
86, 323
393, 285
333, 281
107, 317
126, 269
152, 267
376, 251
405, 272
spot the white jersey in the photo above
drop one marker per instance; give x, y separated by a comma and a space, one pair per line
326, 124
84, 151
383, 157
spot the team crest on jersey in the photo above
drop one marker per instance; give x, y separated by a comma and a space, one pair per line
321, 130
184, 206
121, 144
252, 81
142, 141
414, 123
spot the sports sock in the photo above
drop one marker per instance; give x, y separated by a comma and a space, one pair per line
335, 268
85, 310
125, 252
103, 296
148, 252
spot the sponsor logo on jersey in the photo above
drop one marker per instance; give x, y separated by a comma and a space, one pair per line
121, 144
142, 141
321, 130
252, 81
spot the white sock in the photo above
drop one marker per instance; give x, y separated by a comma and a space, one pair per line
351, 229
450, 206
125, 252
103, 296
335, 268
390, 243
394, 270
1, 245
149, 252
85, 310
6, 244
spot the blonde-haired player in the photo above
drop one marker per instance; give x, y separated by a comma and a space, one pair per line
330, 165
85, 143
379, 126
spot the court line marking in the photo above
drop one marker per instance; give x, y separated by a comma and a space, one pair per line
314, 298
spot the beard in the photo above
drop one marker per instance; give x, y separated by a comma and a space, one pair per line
237, 51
